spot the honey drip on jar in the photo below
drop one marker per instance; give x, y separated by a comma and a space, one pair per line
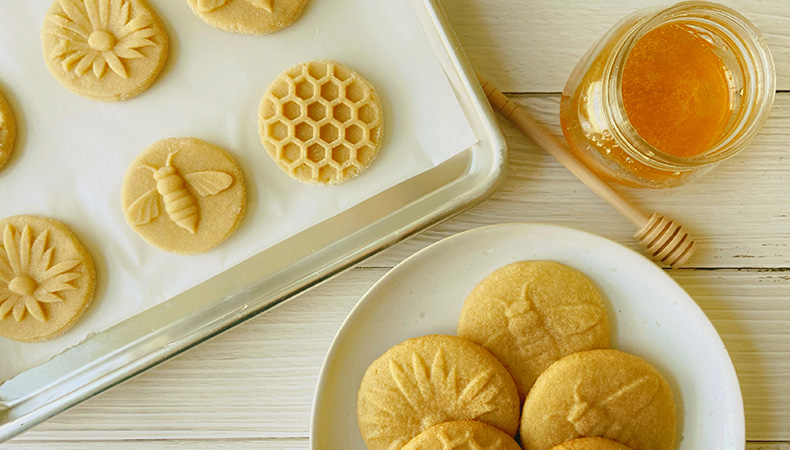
675, 91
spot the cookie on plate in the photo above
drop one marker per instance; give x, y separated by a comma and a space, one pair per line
600, 393
184, 195
531, 313
248, 16
7, 132
462, 435
47, 278
108, 50
428, 380
593, 443
321, 122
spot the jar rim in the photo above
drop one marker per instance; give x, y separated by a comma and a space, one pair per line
754, 50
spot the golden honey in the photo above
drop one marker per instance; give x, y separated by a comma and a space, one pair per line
668, 94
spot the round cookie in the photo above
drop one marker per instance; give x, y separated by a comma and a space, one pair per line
321, 122
593, 443
531, 313
248, 16
428, 380
184, 195
108, 50
462, 435
600, 393
47, 278
7, 132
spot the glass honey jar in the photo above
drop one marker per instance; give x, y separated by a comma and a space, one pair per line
669, 93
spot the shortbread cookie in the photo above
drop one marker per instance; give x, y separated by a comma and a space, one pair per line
321, 122
7, 132
428, 380
462, 435
184, 195
600, 393
593, 443
531, 313
107, 50
47, 278
248, 16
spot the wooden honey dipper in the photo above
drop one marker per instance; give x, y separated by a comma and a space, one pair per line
665, 240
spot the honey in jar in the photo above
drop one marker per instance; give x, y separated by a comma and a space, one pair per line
668, 94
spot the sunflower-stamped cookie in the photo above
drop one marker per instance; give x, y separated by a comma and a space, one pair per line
248, 16
107, 50
7, 132
184, 195
47, 278
432, 379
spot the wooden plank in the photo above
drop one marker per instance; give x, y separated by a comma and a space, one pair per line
533, 46
747, 226
257, 380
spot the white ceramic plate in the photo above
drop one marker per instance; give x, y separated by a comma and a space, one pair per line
651, 315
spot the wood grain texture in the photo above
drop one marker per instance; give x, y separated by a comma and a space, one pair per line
529, 47
739, 213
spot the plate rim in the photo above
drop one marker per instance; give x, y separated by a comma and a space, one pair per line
738, 425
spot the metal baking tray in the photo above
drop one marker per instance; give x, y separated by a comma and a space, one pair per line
313, 256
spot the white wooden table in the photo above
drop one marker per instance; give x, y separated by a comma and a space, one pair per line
252, 386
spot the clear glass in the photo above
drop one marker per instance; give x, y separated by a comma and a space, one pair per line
596, 126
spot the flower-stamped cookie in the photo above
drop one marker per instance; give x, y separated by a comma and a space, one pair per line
7, 132
462, 435
428, 380
248, 16
184, 195
47, 278
600, 393
321, 122
531, 313
107, 50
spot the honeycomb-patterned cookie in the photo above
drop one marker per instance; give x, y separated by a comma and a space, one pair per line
462, 435
7, 132
429, 380
321, 122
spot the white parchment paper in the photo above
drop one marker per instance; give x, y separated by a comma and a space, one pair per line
72, 152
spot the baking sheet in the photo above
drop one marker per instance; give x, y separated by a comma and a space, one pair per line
73, 152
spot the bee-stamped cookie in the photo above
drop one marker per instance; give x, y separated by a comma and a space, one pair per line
107, 50
7, 132
593, 443
47, 278
248, 16
531, 313
600, 393
184, 195
462, 435
428, 380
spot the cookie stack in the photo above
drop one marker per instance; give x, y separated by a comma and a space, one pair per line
532, 356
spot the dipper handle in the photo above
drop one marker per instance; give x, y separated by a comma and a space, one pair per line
666, 241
